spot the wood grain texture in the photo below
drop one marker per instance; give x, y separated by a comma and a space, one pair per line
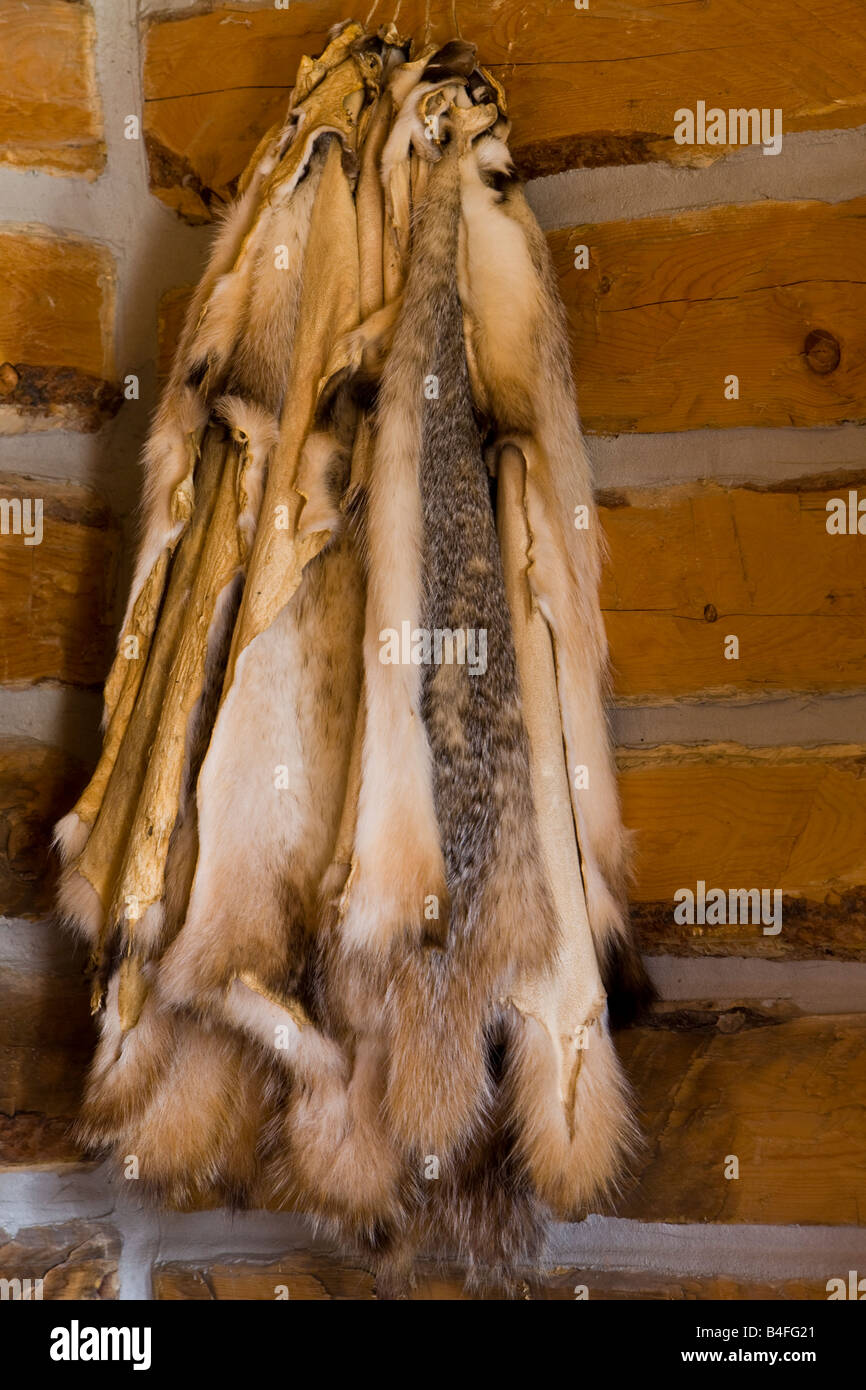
38, 784
57, 598
50, 113
213, 84
39, 1142
76, 1260
789, 1101
46, 1041
317, 1276
792, 819
586, 88
690, 566
669, 307
56, 331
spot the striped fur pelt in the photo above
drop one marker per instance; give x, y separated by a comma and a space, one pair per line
356, 925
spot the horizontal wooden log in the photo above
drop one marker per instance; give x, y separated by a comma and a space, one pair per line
58, 584
38, 785
788, 1102
313, 1276
606, 91
690, 567
56, 332
585, 87
50, 116
75, 1260
792, 819
669, 308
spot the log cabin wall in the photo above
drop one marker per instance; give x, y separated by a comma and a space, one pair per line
717, 300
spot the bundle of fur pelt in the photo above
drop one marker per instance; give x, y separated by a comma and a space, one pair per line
351, 865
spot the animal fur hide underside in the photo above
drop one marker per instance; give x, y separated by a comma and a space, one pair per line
351, 865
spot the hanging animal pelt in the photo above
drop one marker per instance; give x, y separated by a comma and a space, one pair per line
351, 865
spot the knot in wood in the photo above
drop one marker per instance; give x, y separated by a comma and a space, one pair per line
822, 351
